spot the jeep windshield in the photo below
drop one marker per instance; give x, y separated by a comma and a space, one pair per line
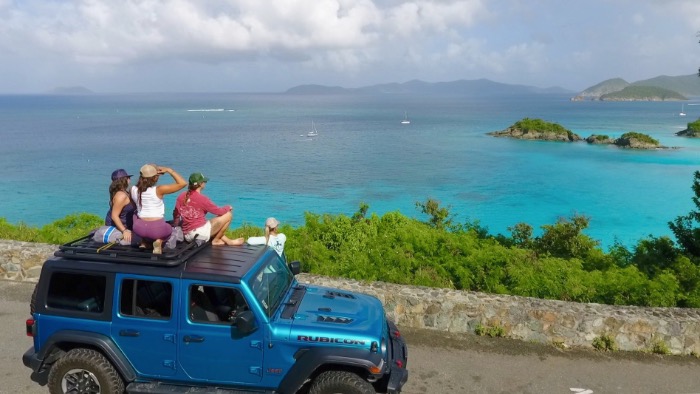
270, 283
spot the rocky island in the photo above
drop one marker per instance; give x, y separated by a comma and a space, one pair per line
538, 129
693, 130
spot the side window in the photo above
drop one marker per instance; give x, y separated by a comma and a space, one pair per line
77, 292
215, 304
146, 298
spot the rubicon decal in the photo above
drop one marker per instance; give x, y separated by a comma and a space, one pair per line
346, 341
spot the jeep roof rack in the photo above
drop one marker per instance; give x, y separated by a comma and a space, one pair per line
86, 249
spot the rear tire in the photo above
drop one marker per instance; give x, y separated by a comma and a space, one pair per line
340, 382
84, 371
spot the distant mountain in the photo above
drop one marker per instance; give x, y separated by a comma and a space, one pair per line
605, 87
687, 85
316, 89
671, 88
479, 87
71, 90
643, 93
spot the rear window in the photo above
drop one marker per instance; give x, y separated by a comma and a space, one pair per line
77, 292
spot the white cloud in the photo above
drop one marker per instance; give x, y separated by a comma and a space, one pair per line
113, 43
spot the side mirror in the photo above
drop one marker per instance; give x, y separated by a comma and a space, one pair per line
295, 267
245, 322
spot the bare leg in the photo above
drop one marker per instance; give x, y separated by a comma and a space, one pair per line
233, 242
158, 246
219, 225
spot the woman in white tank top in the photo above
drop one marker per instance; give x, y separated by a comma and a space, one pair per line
149, 221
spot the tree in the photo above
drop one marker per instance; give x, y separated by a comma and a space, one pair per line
522, 235
685, 227
440, 217
565, 239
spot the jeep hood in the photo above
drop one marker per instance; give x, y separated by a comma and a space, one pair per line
338, 316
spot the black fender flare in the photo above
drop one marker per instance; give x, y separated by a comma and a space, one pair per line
98, 341
310, 359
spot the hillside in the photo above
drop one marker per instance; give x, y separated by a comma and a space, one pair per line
478, 87
642, 93
687, 85
616, 89
605, 87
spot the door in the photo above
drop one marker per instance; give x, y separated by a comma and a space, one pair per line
144, 325
210, 347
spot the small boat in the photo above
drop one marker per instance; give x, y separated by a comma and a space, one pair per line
313, 132
405, 119
682, 113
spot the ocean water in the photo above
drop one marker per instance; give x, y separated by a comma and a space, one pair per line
57, 153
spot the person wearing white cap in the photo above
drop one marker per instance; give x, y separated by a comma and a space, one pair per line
272, 238
149, 222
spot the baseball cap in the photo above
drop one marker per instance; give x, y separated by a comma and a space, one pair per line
120, 173
272, 223
197, 178
148, 170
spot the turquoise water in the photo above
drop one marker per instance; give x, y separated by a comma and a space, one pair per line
57, 152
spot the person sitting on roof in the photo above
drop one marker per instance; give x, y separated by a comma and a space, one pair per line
191, 208
121, 207
149, 223
272, 238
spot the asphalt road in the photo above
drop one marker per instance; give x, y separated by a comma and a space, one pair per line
440, 363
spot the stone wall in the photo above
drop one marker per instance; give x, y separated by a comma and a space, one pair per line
555, 322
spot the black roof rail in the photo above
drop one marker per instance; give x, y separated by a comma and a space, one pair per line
86, 249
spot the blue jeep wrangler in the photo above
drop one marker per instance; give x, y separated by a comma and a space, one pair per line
203, 319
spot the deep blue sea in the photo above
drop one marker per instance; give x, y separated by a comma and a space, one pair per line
57, 153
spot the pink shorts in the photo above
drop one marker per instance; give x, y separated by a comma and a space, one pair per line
152, 230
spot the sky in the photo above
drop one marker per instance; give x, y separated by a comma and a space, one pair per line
119, 46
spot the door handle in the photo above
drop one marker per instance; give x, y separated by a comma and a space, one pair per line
193, 338
129, 333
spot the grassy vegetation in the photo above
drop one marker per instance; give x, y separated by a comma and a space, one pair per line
659, 347
561, 263
540, 125
604, 343
495, 331
694, 126
640, 137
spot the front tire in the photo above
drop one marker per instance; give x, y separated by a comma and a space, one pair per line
340, 382
84, 371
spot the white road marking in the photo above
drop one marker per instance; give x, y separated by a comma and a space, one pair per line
581, 391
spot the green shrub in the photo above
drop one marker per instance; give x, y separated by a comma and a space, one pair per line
658, 346
563, 263
605, 343
494, 331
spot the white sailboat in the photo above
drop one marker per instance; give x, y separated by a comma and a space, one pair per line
682, 113
405, 118
313, 132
